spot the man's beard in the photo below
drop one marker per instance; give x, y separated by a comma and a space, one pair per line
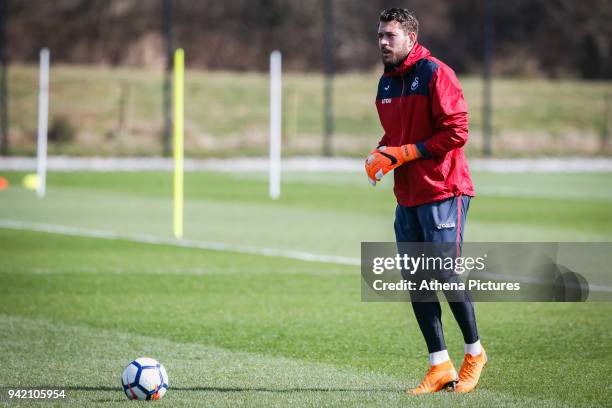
394, 61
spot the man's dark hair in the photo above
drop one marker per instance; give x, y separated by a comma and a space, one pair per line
406, 18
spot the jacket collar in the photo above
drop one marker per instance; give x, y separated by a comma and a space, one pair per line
417, 53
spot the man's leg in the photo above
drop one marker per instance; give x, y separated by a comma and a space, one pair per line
444, 222
427, 312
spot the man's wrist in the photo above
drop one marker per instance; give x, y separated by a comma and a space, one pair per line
423, 152
410, 152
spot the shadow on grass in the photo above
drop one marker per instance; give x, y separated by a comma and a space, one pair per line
222, 389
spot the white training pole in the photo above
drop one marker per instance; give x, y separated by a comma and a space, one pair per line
275, 123
43, 114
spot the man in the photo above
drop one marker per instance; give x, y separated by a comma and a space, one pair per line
424, 117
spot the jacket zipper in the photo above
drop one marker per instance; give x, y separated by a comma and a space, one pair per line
402, 139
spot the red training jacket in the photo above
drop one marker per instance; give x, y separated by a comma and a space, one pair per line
421, 102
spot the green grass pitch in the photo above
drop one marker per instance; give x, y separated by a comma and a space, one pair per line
234, 328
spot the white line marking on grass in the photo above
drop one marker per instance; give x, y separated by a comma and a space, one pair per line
185, 243
302, 164
219, 246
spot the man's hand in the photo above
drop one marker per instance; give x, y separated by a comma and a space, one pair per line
371, 179
384, 159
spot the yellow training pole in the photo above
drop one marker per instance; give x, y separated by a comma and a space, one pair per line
179, 68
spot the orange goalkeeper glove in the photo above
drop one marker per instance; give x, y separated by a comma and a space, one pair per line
384, 159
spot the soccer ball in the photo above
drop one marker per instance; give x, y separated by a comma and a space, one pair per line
144, 379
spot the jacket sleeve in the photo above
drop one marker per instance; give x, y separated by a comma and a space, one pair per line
449, 114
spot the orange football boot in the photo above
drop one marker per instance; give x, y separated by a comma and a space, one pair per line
470, 371
438, 377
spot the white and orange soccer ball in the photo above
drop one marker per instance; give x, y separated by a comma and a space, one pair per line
144, 379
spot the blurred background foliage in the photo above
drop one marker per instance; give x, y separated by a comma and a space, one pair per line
551, 38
